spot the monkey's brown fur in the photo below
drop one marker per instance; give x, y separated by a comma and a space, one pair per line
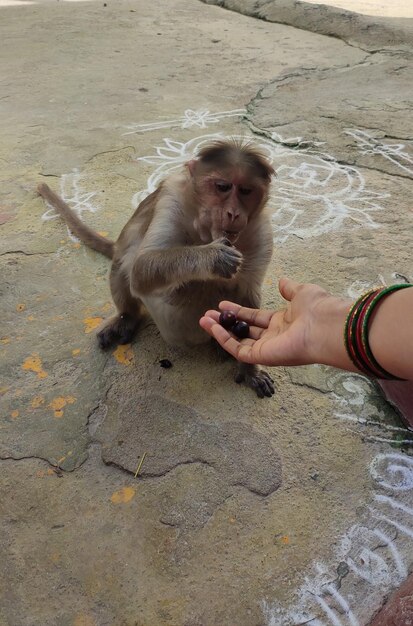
201, 237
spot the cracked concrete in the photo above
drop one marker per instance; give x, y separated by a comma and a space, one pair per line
282, 511
176, 436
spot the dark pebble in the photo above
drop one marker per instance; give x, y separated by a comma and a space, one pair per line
165, 363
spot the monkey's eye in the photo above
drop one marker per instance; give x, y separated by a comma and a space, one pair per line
245, 191
223, 187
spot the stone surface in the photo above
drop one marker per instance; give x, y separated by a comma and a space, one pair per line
289, 510
175, 436
349, 122
369, 32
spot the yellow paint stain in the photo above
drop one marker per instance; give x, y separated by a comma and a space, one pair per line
123, 354
43, 473
14, 414
285, 539
123, 495
33, 363
82, 619
55, 557
76, 245
91, 323
103, 233
37, 402
61, 460
63, 241
76, 352
70, 453
5, 340
58, 404
31, 318
20, 307
108, 306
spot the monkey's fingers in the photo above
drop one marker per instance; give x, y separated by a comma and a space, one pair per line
256, 317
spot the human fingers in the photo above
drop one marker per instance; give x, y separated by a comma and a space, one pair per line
256, 317
288, 288
242, 352
214, 315
255, 332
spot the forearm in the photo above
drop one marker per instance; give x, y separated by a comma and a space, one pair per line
159, 269
390, 333
327, 334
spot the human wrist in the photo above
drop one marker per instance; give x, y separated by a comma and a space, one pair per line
328, 344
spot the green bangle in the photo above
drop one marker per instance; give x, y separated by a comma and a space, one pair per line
365, 326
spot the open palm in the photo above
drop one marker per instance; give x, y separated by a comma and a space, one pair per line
276, 337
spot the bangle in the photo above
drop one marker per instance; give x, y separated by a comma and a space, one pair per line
356, 331
350, 328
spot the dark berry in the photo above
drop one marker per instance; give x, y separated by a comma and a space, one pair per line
241, 330
227, 319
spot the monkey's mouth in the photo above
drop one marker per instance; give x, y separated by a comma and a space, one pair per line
231, 235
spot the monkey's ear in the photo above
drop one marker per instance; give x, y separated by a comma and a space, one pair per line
191, 165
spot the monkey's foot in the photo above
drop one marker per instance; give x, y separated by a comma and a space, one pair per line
257, 379
119, 330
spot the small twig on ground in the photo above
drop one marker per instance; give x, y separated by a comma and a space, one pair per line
140, 464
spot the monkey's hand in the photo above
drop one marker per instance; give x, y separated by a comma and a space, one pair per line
257, 379
227, 259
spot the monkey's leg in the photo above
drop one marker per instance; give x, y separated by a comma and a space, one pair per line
121, 328
252, 375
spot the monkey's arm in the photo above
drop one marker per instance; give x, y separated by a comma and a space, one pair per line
167, 257
157, 269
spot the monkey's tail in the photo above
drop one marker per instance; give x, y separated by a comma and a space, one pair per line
78, 228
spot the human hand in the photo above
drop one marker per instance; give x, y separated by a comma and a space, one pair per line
307, 330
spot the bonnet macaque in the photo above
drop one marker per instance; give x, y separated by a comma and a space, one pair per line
202, 236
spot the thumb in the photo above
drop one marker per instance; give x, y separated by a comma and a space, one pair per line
288, 288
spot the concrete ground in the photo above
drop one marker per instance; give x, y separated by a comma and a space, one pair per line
284, 511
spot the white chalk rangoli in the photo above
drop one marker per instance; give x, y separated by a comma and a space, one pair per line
395, 152
312, 194
191, 118
369, 553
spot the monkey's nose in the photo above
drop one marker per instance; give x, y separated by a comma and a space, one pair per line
232, 215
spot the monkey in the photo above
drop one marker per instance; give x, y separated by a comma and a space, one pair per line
201, 237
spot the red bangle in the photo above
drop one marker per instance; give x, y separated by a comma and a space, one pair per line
356, 332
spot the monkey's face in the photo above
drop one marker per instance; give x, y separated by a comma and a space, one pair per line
228, 201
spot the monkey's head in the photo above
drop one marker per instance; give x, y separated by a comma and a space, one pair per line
230, 181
